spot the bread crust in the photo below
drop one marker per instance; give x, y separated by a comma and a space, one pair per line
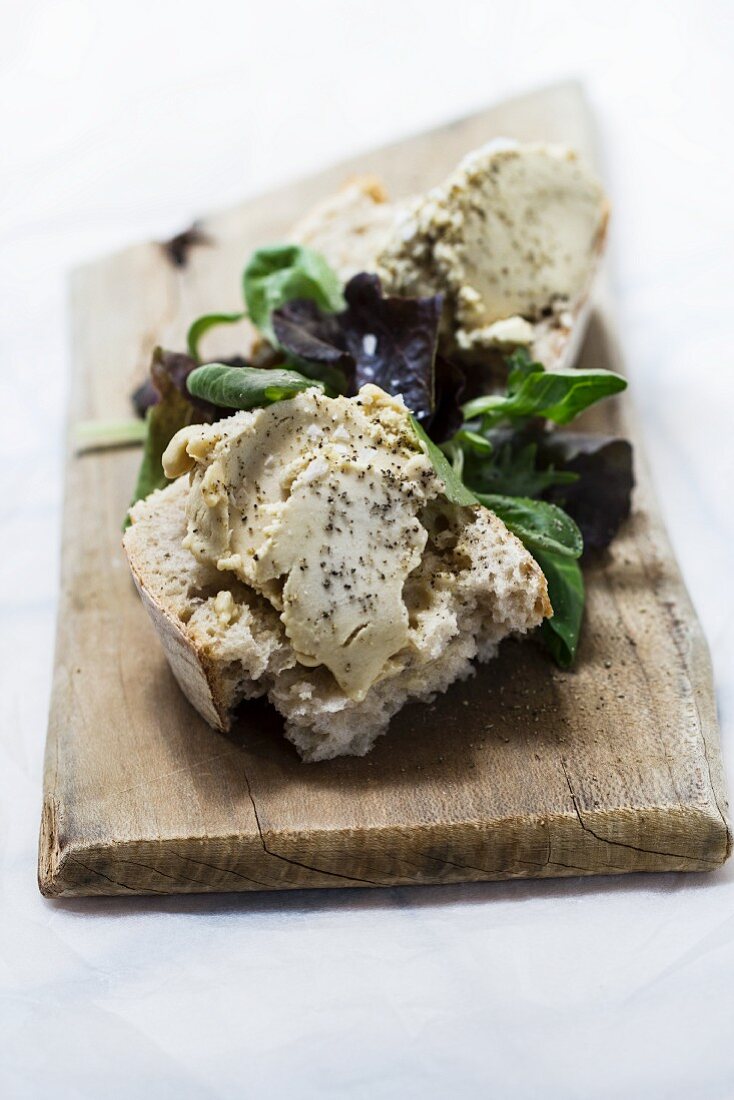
194, 673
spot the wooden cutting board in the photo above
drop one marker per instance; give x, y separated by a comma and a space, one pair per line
523, 771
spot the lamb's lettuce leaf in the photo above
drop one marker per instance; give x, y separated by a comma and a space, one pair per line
566, 594
454, 488
538, 525
247, 387
279, 274
555, 542
510, 465
558, 395
202, 325
548, 533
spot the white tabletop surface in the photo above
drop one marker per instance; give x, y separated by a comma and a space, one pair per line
120, 122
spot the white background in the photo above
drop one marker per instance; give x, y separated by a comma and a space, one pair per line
121, 121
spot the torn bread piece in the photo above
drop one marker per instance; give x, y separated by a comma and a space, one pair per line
512, 239
311, 556
351, 227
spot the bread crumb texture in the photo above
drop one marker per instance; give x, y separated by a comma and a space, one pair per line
351, 227
307, 554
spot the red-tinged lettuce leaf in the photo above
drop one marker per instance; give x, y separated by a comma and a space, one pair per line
390, 342
144, 397
171, 412
600, 498
590, 476
314, 342
166, 368
305, 331
447, 417
167, 405
175, 367
393, 342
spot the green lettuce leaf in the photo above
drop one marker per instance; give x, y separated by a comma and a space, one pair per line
171, 412
278, 274
559, 395
455, 490
538, 525
202, 325
103, 435
566, 593
555, 542
509, 466
247, 387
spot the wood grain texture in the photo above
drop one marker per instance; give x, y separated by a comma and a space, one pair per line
524, 771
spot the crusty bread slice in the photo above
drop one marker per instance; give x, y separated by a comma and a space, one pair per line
360, 229
475, 585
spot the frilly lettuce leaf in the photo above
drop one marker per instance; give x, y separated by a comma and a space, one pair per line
391, 342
